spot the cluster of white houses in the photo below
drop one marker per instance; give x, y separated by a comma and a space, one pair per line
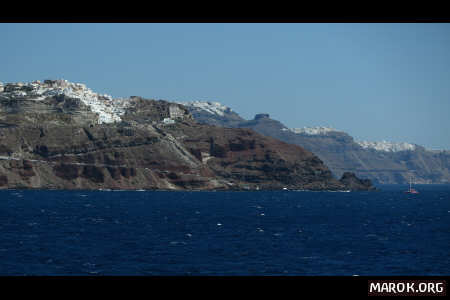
108, 109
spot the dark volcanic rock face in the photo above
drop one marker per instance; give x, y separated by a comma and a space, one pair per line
181, 156
246, 158
155, 145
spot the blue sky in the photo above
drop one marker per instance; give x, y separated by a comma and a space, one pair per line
374, 81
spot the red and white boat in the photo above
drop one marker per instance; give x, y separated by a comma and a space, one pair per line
411, 190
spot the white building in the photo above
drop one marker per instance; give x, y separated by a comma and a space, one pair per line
175, 112
168, 121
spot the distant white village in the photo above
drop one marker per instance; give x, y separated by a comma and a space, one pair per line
379, 146
108, 109
387, 146
313, 130
210, 107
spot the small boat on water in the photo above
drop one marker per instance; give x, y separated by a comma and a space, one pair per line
411, 190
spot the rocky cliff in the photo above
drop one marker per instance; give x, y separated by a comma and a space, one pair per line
385, 163
61, 135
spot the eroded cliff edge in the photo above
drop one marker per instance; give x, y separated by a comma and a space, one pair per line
61, 135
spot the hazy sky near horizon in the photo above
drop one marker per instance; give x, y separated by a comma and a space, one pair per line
374, 81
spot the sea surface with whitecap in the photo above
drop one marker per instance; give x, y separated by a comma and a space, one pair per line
283, 233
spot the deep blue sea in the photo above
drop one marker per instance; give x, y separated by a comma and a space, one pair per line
225, 233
